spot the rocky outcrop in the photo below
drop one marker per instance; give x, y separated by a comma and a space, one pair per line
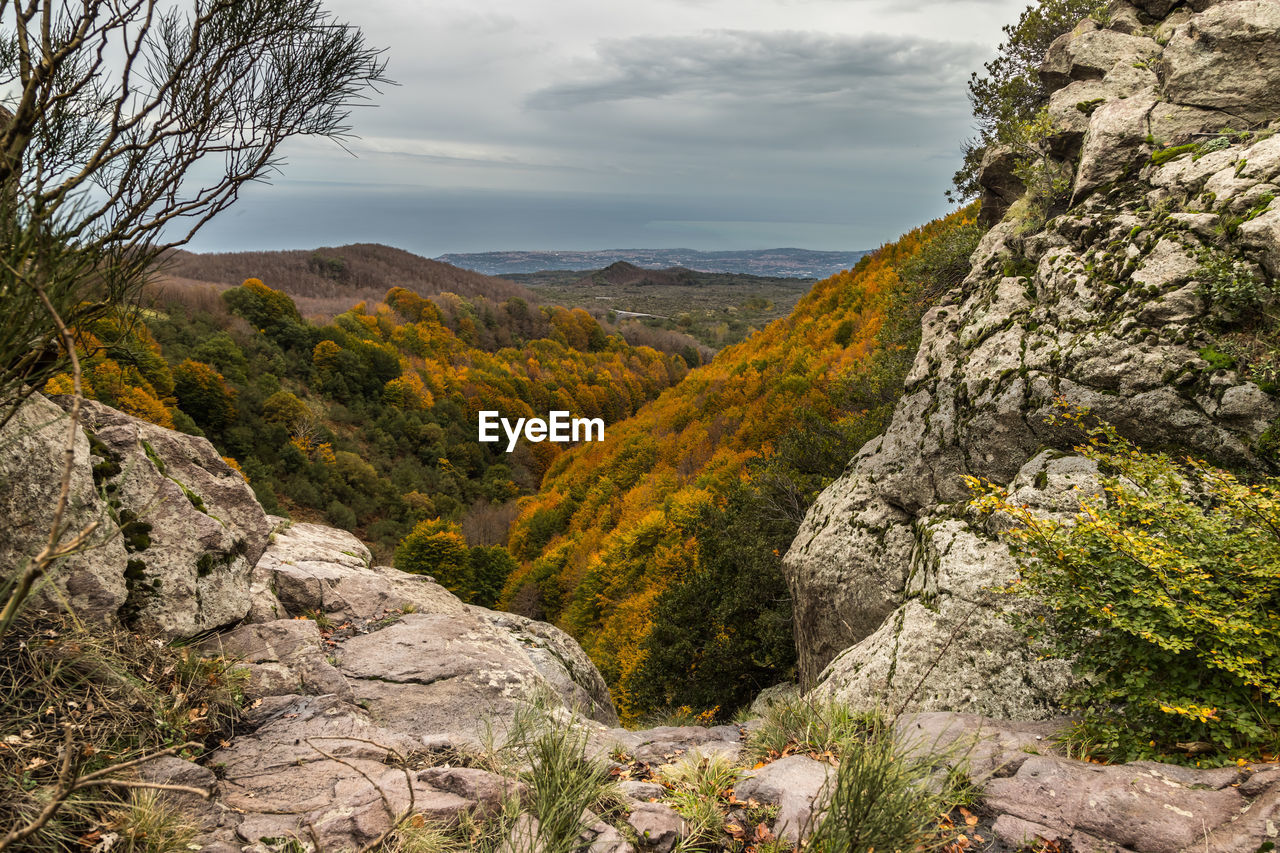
178, 530
364, 681
92, 582
1107, 306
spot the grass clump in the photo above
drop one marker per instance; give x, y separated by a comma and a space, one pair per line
148, 822
808, 727
699, 791
879, 801
563, 791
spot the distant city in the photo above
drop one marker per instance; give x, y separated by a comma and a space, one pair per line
789, 263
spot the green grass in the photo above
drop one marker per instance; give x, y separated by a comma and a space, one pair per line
698, 785
880, 801
150, 823
808, 727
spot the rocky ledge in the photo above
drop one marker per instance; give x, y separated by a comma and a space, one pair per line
1164, 124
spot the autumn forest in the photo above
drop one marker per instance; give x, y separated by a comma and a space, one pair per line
658, 548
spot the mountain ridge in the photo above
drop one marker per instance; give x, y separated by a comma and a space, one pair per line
788, 262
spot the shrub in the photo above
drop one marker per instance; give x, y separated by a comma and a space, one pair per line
880, 801
1167, 596
437, 548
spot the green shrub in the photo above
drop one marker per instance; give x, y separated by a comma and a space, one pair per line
880, 801
1231, 286
437, 548
1167, 596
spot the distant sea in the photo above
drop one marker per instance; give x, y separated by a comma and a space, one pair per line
789, 263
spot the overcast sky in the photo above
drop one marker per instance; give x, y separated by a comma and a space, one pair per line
581, 124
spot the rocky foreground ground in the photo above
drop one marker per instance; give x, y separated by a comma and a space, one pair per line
367, 687
398, 671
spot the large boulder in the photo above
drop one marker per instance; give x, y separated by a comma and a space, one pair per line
1227, 58
177, 529
91, 582
190, 522
560, 661
410, 647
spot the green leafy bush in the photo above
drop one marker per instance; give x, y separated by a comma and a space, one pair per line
1167, 595
1011, 93
437, 548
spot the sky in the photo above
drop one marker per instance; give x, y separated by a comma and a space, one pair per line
580, 124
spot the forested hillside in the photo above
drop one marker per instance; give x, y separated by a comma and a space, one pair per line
368, 422
659, 548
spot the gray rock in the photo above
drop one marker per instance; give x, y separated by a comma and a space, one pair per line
319, 765
1126, 805
1023, 833
1255, 826
1070, 108
1263, 234
1181, 306
1001, 186
779, 694
657, 826
1206, 58
91, 582
1260, 781
1116, 142
797, 784
283, 658
1179, 124
202, 532
561, 662
191, 526
313, 569
1088, 53
665, 744
642, 791
433, 673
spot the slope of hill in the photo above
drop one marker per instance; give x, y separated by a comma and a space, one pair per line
332, 279
367, 422
611, 545
798, 263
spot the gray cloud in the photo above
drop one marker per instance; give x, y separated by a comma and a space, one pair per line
777, 66
702, 123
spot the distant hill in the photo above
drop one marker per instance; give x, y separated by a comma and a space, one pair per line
623, 274
329, 280
791, 263
716, 308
